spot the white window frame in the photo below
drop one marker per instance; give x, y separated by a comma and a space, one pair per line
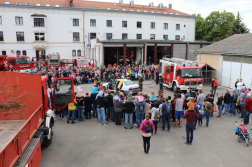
166, 28
19, 21
74, 22
153, 25
91, 24
39, 35
73, 53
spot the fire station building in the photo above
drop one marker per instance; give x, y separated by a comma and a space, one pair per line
107, 32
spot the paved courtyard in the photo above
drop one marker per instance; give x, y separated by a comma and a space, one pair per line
90, 145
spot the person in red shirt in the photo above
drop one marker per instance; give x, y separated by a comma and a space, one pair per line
247, 109
190, 117
214, 85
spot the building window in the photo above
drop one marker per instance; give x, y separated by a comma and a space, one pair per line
92, 35
139, 24
75, 22
20, 36
39, 22
139, 36
177, 37
79, 53
124, 36
109, 23
0, 19
24, 52
177, 26
92, 22
19, 20
165, 25
165, 37
124, 23
1, 36
39, 36
76, 36
109, 36
152, 36
73, 53
18, 52
152, 25
4, 52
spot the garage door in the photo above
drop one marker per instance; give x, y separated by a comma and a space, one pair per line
179, 51
234, 68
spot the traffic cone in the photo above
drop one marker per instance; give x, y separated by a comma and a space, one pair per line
94, 82
215, 108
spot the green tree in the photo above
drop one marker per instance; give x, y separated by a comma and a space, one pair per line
238, 26
200, 27
218, 25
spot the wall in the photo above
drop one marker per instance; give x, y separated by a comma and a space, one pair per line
192, 47
214, 61
58, 31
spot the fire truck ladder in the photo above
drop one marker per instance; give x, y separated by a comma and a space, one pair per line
180, 61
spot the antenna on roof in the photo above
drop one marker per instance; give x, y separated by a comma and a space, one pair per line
121, 2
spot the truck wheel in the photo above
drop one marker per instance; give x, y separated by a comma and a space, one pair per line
174, 87
47, 142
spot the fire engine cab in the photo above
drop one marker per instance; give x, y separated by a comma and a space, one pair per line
21, 63
180, 74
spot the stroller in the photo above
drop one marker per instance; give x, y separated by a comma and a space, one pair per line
243, 133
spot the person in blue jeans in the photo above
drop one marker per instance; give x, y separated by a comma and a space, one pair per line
234, 98
227, 99
110, 107
101, 103
207, 108
196, 109
71, 111
140, 108
128, 109
166, 111
190, 117
219, 104
80, 104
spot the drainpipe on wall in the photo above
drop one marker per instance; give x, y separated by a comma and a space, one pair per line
83, 36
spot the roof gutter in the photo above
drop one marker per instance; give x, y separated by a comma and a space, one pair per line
228, 54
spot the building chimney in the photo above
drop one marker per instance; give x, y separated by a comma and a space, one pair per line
170, 6
160, 6
132, 3
121, 2
71, 3
151, 5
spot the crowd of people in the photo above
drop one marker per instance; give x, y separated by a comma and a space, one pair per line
146, 111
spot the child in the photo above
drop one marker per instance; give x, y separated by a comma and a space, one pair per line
200, 116
191, 104
95, 89
140, 97
152, 96
104, 76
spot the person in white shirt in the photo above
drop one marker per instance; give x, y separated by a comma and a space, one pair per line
239, 86
49, 96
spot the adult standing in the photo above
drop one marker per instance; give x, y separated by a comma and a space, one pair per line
166, 111
234, 98
71, 111
98, 80
140, 108
157, 76
227, 99
178, 110
129, 108
88, 106
110, 107
236, 82
146, 127
140, 82
101, 103
200, 99
80, 104
242, 102
247, 108
207, 108
161, 82
190, 117
155, 115
239, 86
214, 85
219, 103
93, 97
149, 61
118, 106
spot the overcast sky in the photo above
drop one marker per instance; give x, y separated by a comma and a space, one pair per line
204, 7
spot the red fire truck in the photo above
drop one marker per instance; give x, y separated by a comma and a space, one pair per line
21, 63
180, 74
52, 60
26, 120
79, 62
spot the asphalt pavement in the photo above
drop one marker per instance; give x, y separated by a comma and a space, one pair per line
92, 145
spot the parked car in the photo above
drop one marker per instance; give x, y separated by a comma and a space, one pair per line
126, 86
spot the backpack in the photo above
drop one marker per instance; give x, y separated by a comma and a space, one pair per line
148, 128
141, 108
211, 110
156, 114
99, 100
168, 108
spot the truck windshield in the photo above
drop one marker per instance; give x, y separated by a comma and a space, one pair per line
191, 73
23, 60
82, 62
53, 62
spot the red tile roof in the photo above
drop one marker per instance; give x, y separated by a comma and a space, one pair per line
97, 5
